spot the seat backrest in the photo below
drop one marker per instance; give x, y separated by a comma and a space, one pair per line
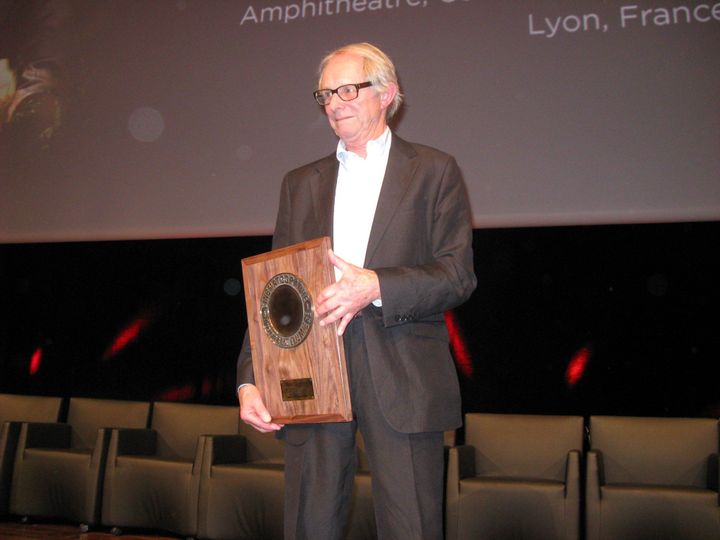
523, 446
261, 447
87, 415
179, 425
18, 408
662, 451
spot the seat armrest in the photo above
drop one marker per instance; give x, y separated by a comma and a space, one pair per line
594, 480
9, 434
133, 442
219, 450
8, 443
460, 464
572, 473
572, 494
227, 449
44, 435
102, 441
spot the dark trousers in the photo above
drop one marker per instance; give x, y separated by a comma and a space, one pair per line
320, 462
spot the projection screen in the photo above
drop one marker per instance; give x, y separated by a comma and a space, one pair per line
178, 118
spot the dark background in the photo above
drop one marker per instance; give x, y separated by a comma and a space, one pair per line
639, 301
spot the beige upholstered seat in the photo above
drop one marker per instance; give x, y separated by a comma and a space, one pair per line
652, 478
517, 476
58, 468
241, 494
15, 409
152, 477
242, 489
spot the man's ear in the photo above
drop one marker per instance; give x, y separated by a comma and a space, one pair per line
386, 98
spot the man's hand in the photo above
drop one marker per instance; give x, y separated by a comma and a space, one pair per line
253, 411
342, 300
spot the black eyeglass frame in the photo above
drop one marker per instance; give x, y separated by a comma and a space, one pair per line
358, 87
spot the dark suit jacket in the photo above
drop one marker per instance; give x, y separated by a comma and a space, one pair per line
421, 248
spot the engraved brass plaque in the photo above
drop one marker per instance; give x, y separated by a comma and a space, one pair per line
297, 389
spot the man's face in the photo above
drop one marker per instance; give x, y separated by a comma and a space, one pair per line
358, 121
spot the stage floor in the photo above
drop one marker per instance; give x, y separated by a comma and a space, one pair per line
50, 531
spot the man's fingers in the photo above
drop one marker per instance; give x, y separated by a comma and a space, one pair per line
253, 410
334, 315
343, 299
344, 322
322, 299
260, 421
260, 425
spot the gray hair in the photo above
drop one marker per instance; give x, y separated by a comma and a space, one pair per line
378, 68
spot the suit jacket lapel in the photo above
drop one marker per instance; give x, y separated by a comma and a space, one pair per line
398, 174
322, 189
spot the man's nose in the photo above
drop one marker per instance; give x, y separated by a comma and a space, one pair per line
334, 102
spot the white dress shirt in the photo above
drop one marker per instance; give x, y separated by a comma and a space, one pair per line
356, 196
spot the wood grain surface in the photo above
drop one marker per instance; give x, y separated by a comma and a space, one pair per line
320, 357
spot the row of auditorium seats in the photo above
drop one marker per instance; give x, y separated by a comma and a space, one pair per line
192, 470
195, 471
522, 477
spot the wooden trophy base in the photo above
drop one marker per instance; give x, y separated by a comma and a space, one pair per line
299, 366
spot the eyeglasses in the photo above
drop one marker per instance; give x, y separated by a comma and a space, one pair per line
346, 92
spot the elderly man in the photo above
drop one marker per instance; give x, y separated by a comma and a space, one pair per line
400, 222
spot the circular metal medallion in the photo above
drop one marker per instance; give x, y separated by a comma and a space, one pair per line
286, 310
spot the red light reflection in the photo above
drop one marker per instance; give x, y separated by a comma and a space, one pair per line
462, 356
36, 361
180, 393
577, 366
127, 335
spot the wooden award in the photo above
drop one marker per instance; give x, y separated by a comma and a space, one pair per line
299, 366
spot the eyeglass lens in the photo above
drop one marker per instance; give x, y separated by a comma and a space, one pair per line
346, 92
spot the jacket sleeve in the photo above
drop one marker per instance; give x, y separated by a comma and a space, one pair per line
446, 277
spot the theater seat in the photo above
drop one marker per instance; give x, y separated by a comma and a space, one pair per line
241, 494
652, 478
517, 476
58, 468
242, 489
152, 477
14, 410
